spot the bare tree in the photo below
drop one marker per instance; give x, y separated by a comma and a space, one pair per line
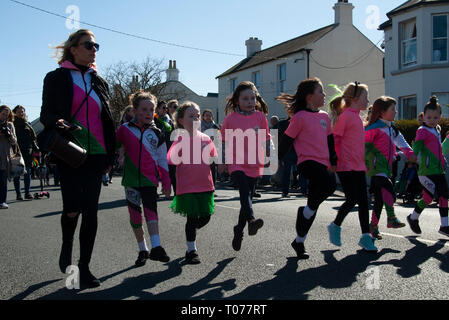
125, 78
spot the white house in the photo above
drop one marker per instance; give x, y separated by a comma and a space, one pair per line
416, 55
337, 54
174, 88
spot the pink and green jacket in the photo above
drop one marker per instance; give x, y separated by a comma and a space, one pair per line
145, 155
381, 142
90, 137
429, 151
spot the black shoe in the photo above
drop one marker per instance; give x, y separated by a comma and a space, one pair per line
65, 258
444, 231
237, 241
142, 258
28, 196
414, 224
254, 225
300, 250
159, 254
19, 197
192, 257
285, 195
87, 279
257, 195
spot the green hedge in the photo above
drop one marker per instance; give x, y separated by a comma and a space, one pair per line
408, 128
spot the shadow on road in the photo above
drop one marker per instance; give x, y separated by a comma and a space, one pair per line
138, 286
289, 284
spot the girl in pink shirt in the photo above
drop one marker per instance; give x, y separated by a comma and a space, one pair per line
245, 136
192, 153
310, 134
349, 136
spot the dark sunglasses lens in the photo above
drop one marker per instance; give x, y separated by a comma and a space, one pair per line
89, 45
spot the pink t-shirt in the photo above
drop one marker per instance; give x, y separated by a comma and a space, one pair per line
191, 156
245, 142
310, 130
349, 136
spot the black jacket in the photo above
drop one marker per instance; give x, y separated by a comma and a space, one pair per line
57, 99
26, 138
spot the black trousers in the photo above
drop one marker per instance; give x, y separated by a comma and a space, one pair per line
193, 224
321, 183
354, 187
246, 187
80, 189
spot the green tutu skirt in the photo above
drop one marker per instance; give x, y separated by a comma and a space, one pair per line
194, 205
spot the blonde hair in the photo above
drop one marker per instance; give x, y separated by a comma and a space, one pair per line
63, 50
352, 91
140, 95
181, 111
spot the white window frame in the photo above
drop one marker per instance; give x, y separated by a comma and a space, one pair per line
282, 81
401, 106
255, 79
441, 38
232, 84
407, 44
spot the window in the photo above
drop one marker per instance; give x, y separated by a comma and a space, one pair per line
439, 38
408, 108
443, 100
256, 79
232, 84
282, 78
409, 54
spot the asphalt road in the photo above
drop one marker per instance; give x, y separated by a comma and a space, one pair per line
406, 267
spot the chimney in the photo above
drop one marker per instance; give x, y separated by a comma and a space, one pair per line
253, 45
343, 12
172, 73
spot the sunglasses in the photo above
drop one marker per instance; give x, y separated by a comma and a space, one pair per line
89, 45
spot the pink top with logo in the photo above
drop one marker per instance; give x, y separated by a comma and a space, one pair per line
310, 130
192, 156
248, 142
349, 135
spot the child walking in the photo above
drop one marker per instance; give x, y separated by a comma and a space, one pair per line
381, 140
310, 134
431, 169
143, 152
192, 153
244, 142
349, 135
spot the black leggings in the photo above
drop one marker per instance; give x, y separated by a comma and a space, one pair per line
80, 189
354, 187
193, 224
246, 187
321, 183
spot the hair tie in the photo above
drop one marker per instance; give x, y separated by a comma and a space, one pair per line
356, 87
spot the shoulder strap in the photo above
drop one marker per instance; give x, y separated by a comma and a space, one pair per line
84, 100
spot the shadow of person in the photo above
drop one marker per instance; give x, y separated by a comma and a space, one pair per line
189, 291
408, 266
130, 287
288, 284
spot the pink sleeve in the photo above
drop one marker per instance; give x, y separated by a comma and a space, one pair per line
370, 135
294, 127
173, 151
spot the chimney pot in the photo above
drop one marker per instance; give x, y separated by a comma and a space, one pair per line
170, 65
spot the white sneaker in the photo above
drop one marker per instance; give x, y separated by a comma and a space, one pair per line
4, 206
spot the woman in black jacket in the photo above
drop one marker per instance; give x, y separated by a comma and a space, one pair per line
26, 138
75, 94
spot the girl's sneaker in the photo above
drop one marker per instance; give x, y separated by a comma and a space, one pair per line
394, 223
367, 243
3, 206
142, 258
334, 234
374, 230
414, 224
159, 254
300, 250
192, 257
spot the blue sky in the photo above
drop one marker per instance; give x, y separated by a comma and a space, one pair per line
27, 34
